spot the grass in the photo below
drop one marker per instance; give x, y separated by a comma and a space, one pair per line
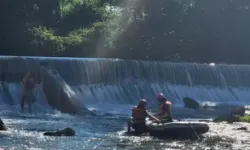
245, 119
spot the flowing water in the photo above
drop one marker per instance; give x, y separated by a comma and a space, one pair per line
110, 87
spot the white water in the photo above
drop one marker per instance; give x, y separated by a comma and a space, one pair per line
111, 98
110, 88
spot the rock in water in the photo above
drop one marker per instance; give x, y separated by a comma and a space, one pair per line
59, 94
190, 103
239, 111
229, 119
64, 132
236, 115
2, 126
241, 128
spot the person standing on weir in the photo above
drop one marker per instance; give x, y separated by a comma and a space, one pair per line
28, 95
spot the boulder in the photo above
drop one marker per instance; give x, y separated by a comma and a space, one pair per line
241, 128
2, 126
240, 110
237, 114
190, 103
60, 95
229, 118
64, 132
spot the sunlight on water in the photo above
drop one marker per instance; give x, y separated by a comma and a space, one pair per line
110, 88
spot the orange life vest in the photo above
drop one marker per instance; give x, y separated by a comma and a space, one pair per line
161, 110
138, 114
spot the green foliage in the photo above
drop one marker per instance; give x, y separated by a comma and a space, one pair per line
43, 35
57, 27
185, 30
245, 119
68, 6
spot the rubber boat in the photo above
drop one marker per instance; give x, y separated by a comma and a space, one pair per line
176, 129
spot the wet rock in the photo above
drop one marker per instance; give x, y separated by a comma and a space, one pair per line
60, 95
236, 115
190, 103
233, 118
240, 110
64, 132
229, 119
203, 120
241, 128
2, 126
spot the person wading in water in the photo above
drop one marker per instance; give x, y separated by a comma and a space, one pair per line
28, 95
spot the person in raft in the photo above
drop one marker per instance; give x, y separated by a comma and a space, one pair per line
164, 109
139, 114
28, 95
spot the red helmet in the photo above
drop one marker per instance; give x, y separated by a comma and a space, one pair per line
160, 96
143, 102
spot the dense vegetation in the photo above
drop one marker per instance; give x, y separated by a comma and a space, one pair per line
50, 28
186, 30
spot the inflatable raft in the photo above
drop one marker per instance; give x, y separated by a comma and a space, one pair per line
177, 129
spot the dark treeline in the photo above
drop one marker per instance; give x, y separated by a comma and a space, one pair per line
178, 30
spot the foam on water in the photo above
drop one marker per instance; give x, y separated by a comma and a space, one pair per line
115, 99
110, 87
115, 81
103, 132
112, 94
